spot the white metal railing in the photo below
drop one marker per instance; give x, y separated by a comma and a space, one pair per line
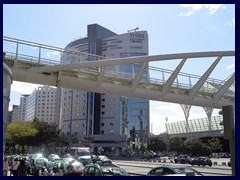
19, 54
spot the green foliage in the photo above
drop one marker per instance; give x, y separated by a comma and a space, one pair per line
176, 144
18, 131
33, 133
215, 144
156, 144
47, 133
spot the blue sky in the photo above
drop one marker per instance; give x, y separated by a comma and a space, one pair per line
177, 28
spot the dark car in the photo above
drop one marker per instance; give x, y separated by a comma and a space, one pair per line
175, 170
203, 161
183, 158
104, 170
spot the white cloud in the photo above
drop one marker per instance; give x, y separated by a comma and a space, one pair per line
23, 88
231, 22
173, 112
53, 53
231, 66
211, 8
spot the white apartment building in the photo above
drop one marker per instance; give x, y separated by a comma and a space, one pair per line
41, 104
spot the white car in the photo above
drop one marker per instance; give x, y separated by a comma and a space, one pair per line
53, 157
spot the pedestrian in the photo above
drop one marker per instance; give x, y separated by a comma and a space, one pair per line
15, 165
22, 168
70, 171
5, 166
44, 171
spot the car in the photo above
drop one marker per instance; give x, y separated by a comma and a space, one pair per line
63, 164
174, 170
229, 163
102, 158
223, 155
104, 170
203, 161
183, 158
53, 157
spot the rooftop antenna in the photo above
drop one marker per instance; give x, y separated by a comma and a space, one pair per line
134, 30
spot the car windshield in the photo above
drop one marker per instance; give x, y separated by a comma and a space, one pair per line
111, 171
83, 153
184, 170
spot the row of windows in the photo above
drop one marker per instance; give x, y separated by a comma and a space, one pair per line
43, 96
135, 41
76, 114
43, 104
43, 107
46, 92
111, 124
44, 113
136, 47
118, 47
75, 125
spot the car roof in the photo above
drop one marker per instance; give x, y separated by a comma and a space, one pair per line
173, 166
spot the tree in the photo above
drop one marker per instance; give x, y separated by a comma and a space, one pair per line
18, 132
176, 144
156, 144
214, 144
196, 147
47, 133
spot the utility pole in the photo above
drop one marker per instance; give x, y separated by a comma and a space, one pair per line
70, 128
229, 131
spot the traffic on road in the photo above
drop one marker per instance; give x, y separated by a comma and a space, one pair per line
102, 165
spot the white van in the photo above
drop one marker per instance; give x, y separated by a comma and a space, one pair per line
82, 153
220, 155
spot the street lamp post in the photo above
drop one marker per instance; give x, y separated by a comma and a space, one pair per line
70, 128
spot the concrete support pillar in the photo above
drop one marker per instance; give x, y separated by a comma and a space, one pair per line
186, 110
209, 111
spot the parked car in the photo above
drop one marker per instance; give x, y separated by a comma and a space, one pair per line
104, 170
223, 155
229, 163
183, 158
175, 170
203, 161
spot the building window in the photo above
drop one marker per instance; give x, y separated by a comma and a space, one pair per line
103, 106
103, 112
136, 47
103, 99
119, 47
102, 132
102, 124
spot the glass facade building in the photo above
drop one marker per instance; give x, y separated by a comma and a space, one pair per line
87, 114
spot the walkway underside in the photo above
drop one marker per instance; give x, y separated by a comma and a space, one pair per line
77, 78
130, 76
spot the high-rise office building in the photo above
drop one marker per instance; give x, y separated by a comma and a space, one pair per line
15, 113
23, 107
106, 120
